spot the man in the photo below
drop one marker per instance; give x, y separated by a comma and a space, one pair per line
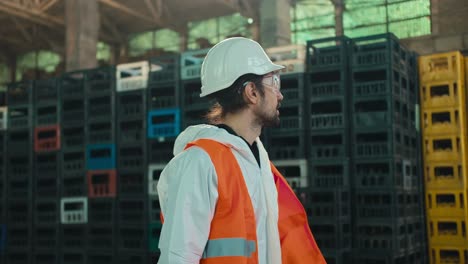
221, 199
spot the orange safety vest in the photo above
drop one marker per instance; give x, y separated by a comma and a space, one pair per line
233, 236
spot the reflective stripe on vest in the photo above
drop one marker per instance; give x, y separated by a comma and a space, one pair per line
229, 247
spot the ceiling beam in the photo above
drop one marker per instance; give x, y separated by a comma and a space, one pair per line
47, 4
22, 29
35, 16
126, 10
155, 12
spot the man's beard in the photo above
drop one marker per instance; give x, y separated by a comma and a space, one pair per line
269, 119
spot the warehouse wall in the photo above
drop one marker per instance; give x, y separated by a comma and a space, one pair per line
449, 27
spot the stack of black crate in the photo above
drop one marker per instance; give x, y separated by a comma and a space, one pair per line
3, 166
387, 195
132, 183
193, 106
286, 144
47, 155
20, 172
101, 165
327, 201
164, 122
72, 179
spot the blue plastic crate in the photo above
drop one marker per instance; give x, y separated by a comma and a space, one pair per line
100, 156
164, 123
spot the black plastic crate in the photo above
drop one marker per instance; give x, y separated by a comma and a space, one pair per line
20, 142
164, 69
73, 256
19, 212
377, 50
160, 151
336, 256
131, 105
162, 96
100, 109
191, 100
332, 235
390, 237
73, 237
47, 114
132, 237
377, 144
286, 146
329, 144
46, 212
330, 173
376, 206
46, 237
326, 53
331, 113
102, 212
154, 209
132, 257
20, 93
47, 165
72, 112
132, 182
293, 88
327, 205
378, 256
101, 257
46, 91
19, 238
46, 257
194, 117
382, 173
73, 164
72, 85
20, 117
132, 158
101, 237
327, 84
73, 138
131, 133
19, 256
19, 188
100, 82
132, 211
100, 132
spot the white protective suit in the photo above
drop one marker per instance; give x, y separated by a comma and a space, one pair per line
188, 194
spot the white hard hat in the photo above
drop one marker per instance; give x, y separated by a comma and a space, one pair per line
230, 59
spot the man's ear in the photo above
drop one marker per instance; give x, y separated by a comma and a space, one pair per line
251, 94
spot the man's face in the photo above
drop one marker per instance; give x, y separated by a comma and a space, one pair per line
268, 109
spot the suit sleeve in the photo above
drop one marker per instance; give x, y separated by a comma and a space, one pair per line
188, 193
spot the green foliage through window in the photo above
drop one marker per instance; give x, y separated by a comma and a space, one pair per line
312, 20
103, 51
41, 60
165, 39
217, 29
404, 18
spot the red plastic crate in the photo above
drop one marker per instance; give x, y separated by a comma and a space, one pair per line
47, 138
101, 183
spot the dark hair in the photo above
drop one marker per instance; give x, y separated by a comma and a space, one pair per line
231, 99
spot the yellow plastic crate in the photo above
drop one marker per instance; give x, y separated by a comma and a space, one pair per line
444, 175
443, 148
446, 203
441, 122
448, 255
447, 231
442, 95
442, 67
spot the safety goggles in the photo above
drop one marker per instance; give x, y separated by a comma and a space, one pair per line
273, 81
